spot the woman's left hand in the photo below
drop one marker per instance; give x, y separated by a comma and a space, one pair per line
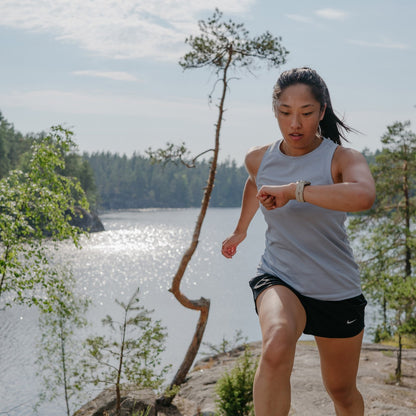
272, 197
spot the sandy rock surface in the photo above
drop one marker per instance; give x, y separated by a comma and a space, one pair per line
197, 396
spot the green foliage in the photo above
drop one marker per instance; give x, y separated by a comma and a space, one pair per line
171, 391
221, 41
173, 153
387, 233
381, 334
16, 152
36, 207
235, 388
58, 351
77, 167
226, 345
143, 412
131, 353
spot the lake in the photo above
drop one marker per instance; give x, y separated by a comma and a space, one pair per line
142, 248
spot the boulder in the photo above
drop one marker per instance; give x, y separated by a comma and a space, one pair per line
132, 400
88, 221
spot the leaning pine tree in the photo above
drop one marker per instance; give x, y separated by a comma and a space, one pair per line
388, 239
224, 47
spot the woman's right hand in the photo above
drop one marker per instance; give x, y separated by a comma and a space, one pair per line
229, 245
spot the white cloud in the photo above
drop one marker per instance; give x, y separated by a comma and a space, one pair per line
115, 75
331, 14
82, 103
117, 29
299, 18
387, 44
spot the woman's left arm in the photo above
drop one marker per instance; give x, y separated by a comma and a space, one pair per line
353, 189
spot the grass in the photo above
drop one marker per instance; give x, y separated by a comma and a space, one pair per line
408, 341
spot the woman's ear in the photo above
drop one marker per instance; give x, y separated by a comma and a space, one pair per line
322, 113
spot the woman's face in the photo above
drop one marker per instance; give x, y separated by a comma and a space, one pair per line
298, 114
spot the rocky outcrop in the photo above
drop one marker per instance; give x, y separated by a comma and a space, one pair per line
197, 395
88, 221
132, 400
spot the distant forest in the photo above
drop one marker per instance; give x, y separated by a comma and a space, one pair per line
113, 181
134, 182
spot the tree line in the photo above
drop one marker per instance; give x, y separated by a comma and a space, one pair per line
135, 182
114, 181
124, 182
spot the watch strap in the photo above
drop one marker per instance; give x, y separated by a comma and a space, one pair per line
300, 186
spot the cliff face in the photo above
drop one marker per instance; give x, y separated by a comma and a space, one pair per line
197, 394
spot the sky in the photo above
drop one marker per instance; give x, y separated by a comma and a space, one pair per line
108, 70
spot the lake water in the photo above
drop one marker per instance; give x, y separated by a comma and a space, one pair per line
142, 248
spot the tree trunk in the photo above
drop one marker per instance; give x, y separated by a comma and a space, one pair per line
63, 362
398, 371
202, 304
120, 364
408, 264
3, 277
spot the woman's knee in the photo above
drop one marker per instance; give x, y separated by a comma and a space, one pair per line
279, 347
341, 392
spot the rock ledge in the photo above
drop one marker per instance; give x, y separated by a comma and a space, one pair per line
197, 394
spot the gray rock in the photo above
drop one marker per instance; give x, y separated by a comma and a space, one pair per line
131, 400
88, 221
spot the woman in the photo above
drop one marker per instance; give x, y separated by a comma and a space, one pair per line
307, 280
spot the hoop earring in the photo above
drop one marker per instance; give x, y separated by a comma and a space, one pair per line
319, 131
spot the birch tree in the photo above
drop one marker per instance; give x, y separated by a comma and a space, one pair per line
36, 207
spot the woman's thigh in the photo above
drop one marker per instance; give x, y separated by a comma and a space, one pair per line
340, 358
280, 313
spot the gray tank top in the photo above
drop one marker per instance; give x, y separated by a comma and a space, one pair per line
307, 246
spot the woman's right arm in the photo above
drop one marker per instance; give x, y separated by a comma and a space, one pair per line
249, 208
249, 205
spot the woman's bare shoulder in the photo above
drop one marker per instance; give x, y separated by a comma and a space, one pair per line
347, 161
254, 157
346, 156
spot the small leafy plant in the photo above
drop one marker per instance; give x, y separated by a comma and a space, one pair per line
58, 357
235, 388
132, 355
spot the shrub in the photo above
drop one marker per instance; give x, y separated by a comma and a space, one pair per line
235, 388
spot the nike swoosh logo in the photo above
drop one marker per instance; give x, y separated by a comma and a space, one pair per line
351, 322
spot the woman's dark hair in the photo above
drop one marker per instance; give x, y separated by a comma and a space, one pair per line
331, 126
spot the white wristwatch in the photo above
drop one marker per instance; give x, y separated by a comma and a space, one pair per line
300, 186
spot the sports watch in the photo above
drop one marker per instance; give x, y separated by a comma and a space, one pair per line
300, 185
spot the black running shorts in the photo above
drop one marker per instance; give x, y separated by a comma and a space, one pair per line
329, 319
